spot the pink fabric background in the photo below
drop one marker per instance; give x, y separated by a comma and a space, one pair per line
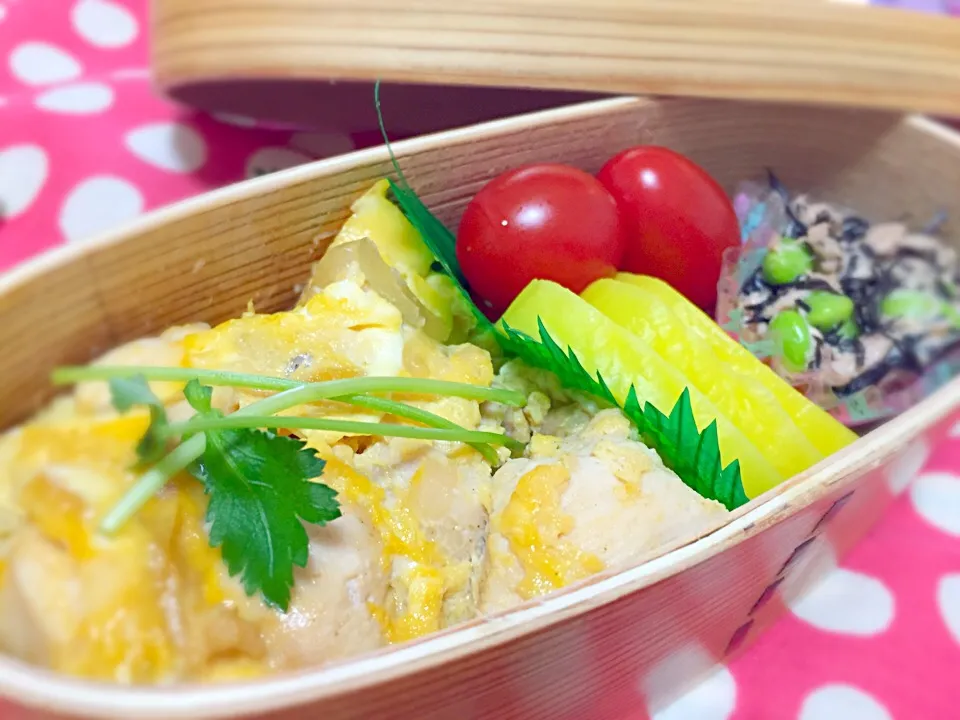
85, 145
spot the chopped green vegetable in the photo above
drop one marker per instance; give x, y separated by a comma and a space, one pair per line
260, 487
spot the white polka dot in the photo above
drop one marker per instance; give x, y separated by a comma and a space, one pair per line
168, 146
103, 23
948, 598
236, 120
936, 497
847, 602
79, 99
322, 144
713, 699
905, 466
98, 204
842, 702
270, 159
3, 13
23, 170
38, 63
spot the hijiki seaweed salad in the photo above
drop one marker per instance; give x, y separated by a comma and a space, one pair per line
856, 313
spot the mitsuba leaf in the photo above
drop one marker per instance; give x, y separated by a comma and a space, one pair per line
126, 393
261, 491
200, 397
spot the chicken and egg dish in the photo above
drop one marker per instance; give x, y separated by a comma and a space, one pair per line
430, 533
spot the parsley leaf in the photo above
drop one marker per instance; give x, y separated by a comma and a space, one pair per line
127, 392
693, 455
260, 490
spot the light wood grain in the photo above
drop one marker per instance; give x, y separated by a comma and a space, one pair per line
593, 650
787, 50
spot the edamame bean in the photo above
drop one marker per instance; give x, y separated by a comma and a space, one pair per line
918, 305
913, 304
791, 334
951, 314
786, 263
827, 309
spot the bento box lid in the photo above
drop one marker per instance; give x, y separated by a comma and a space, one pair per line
300, 60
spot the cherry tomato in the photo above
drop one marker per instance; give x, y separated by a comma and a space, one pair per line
544, 221
677, 219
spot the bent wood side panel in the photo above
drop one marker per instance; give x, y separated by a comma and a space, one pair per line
639, 651
207, 258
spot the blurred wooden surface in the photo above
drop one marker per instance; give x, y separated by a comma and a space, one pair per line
783, 50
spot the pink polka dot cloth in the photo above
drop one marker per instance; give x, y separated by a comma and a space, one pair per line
85, 145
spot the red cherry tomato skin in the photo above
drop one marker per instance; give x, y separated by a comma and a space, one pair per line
677, 219
544, 221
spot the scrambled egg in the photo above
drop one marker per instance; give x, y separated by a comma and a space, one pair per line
429, 536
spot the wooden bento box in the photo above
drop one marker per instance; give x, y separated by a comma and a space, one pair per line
608, 645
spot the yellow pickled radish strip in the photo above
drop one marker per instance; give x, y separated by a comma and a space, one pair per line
825, 432
748, 404
623, 360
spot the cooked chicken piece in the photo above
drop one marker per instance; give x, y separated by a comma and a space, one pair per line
155, 603
576, 505
337, 600
434, 521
